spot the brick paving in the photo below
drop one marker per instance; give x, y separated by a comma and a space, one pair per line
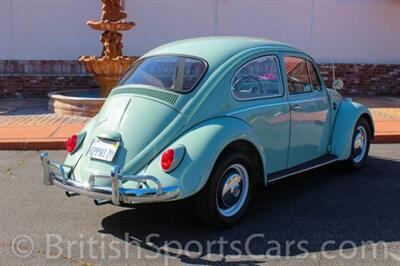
382, 108
41, 120
386, 114
27, 124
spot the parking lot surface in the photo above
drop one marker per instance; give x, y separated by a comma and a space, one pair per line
324, 217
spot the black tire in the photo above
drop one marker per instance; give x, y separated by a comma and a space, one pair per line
356, 160
209, 200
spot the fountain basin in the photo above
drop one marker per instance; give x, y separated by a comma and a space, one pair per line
76, 102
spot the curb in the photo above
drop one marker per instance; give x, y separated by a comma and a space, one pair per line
40, 144
386, 138
59, 144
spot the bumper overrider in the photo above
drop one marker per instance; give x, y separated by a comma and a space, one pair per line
55, 174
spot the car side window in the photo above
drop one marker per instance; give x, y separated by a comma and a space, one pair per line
297, 75
315, 82
259, 78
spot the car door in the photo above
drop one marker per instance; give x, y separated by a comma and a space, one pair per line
309, 111
258, 87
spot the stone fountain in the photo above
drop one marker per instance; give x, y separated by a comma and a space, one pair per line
106, 69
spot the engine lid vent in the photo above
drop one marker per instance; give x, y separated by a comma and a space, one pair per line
165, 96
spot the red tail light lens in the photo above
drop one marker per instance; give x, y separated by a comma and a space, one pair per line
71, 143
167, 159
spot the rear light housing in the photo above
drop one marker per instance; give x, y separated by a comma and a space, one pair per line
74, 141
167, 159
172, 157
71, 143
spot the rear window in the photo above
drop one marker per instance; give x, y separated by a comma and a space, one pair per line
174, 73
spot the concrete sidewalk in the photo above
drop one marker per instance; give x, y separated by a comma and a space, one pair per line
27, 125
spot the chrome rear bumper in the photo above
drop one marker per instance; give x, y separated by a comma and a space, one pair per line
55, 174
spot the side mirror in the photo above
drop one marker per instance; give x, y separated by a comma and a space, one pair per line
337, 84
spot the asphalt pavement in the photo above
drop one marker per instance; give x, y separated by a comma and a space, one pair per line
325, 217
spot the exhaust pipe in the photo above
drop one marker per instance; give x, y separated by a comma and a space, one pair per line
70, 194
99, 202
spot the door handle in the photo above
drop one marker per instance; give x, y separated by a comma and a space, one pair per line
295, 107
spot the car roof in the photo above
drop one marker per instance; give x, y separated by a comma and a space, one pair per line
217, 49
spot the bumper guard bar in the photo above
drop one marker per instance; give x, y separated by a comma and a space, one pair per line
115, 194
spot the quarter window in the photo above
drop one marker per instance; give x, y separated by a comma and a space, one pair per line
259, 78
301, 75
315, 82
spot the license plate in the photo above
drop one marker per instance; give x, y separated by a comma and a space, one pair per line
103, 149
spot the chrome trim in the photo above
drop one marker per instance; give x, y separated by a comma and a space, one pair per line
302, 171
54, 174
275, 104
295, 107
320, 98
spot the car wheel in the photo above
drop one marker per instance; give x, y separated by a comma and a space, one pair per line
226, 195
360, 145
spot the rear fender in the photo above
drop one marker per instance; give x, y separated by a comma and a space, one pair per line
203, 143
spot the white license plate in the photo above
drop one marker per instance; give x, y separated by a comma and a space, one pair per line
103, 149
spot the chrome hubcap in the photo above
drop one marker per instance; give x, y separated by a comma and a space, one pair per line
359, 144
232, 190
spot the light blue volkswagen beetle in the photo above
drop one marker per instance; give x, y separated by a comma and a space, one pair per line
212, 118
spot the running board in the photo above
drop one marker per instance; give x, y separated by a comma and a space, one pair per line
324, 160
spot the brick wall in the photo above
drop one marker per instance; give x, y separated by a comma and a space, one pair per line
35, 78
365, 79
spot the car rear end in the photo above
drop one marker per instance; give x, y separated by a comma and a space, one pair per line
108, 160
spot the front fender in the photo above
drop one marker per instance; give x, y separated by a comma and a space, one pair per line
203, 143
347, 116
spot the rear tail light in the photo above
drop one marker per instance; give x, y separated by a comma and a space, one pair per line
171, 158
71, 143
167, 159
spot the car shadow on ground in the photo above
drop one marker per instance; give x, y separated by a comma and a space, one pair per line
327, 204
